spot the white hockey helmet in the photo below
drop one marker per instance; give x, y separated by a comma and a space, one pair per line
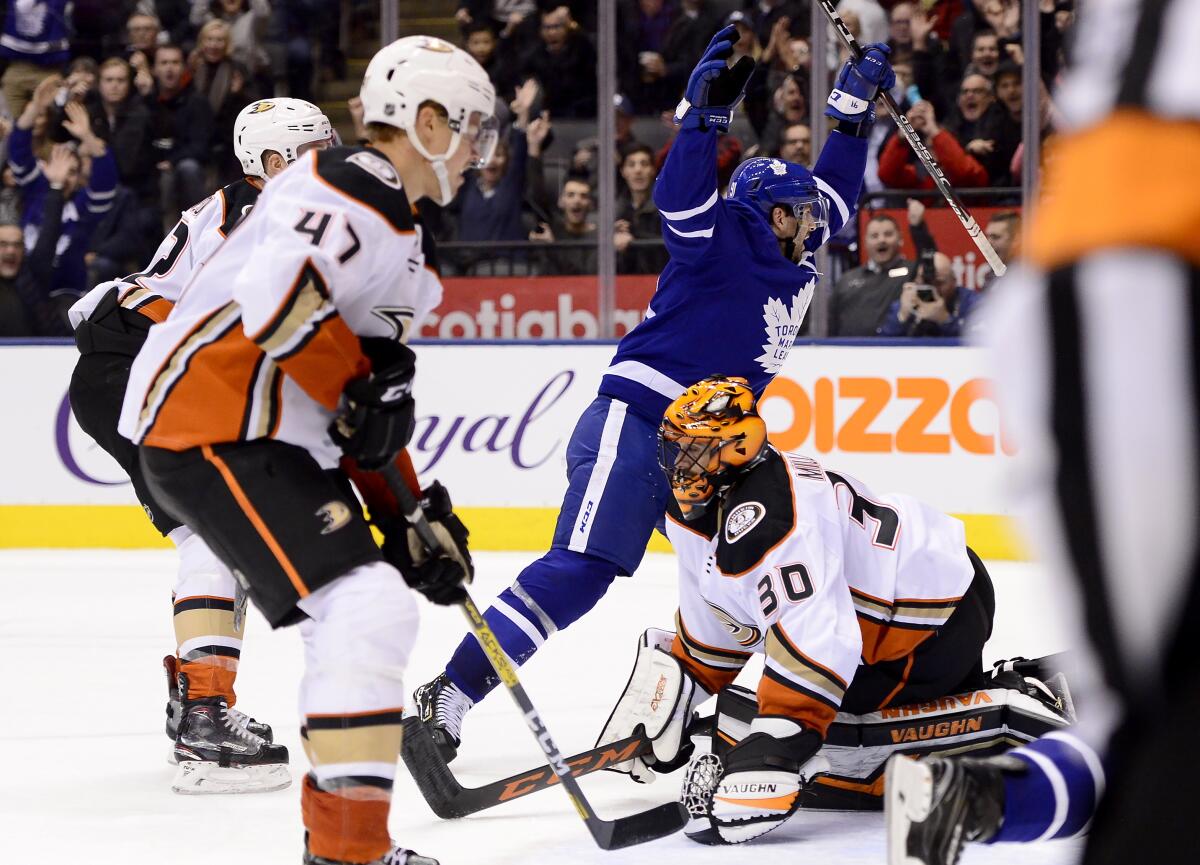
415, 69
283, 125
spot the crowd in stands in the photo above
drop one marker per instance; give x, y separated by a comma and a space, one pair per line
118, 114
144, 94
959, 68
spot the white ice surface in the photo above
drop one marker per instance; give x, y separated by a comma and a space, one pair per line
83, 771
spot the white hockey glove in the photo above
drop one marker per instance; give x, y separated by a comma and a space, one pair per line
659, 697
756, 787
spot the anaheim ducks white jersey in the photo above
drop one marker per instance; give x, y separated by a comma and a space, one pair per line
266, 335
199, 232
817, 572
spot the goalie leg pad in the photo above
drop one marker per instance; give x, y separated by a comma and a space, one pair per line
659, 697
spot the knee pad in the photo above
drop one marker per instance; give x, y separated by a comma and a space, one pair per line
358, 640
201, 573
564, 584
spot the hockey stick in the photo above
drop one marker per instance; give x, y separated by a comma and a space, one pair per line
918, 146
449, 799
638, 828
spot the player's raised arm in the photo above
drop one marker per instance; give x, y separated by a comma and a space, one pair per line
686, 193
843, 160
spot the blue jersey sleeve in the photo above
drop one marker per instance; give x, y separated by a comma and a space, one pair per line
686, 194
839, 175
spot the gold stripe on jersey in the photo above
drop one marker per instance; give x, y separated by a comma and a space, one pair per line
929, 613
306, 304
801, 669
1131, 160
209, 330
724, 659
870, 606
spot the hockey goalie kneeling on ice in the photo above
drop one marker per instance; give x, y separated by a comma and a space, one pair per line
870, 609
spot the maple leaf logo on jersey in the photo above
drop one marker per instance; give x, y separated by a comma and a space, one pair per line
782, 323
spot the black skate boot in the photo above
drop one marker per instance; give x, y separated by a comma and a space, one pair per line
175, 710
217, 754
936, 804
441, 706
395, 856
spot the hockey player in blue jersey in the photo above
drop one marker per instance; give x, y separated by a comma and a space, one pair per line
730, 300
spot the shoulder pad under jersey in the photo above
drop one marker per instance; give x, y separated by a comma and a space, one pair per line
237, 199
758, 513
366, 176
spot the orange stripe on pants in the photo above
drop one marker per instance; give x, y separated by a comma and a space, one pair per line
255, 520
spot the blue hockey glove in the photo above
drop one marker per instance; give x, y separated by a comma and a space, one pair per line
714, 89
859, 83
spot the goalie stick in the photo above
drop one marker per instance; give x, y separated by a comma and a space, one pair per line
918, 146
449, 799
657, 822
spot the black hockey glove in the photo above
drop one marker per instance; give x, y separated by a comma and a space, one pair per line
379, 414
440, 578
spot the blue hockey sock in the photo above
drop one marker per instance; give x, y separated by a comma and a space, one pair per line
549, 595
1057, 795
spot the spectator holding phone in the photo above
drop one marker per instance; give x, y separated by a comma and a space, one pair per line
932, 304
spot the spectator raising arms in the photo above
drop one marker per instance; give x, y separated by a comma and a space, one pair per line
89, 186
28, 304
35, 43
898, 165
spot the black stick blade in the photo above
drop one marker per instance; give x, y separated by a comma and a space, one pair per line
430, 772
639, 828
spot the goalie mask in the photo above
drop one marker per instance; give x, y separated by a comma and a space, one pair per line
708, 437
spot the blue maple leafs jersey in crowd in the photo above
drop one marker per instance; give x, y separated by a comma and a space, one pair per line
727, 302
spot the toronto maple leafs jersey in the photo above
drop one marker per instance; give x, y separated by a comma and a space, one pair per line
819, 573
727, 302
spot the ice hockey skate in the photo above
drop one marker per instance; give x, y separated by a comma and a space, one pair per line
217, 754
395, 856
936, 804
441, 706
175, 711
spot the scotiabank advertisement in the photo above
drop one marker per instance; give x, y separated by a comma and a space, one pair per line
534, 307
494, 421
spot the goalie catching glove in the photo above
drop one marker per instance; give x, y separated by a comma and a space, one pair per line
660, 700
440, 578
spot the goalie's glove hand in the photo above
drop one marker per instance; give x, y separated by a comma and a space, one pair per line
714, 89
441, 577
378, 414
757, 786
859, 83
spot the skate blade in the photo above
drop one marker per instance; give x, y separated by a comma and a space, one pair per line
908, 799
202, 778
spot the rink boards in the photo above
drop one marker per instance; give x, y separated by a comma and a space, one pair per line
494, 419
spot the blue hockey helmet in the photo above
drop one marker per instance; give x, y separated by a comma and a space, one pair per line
765, 183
